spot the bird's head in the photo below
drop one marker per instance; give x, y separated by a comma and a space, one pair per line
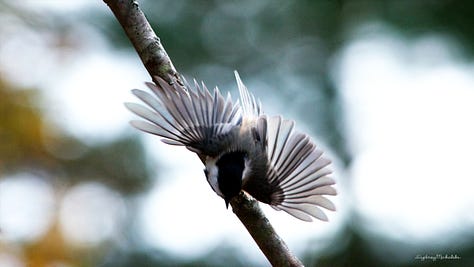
225, 174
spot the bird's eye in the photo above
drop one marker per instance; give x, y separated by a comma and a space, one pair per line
206, 172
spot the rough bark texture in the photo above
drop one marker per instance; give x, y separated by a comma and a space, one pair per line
252, 217
158, 63
144, 39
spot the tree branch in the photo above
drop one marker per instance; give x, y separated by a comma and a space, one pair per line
144, 39
259, 227
158, 63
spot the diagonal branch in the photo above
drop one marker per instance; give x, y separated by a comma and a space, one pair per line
259, 227
158, 63
144, 39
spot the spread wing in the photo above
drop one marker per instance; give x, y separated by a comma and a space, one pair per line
251, 108
298, 173
185, 116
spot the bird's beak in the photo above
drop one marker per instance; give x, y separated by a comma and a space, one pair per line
227, 204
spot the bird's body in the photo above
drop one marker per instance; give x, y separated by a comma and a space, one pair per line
241, 148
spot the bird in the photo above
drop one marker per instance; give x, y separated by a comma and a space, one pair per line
240, 146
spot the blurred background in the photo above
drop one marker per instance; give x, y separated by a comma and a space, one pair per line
385, 87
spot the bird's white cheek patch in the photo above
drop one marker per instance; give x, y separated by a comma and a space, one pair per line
212, 172
246, 172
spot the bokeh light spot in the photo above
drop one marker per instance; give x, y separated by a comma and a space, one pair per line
91, 213
26, 207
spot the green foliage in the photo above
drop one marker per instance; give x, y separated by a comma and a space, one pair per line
119, 163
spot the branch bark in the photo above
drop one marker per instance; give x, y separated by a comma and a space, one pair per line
146, 43
259, 227
158, 63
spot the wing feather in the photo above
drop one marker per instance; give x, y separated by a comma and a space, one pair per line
251, 108
298, 172
309, 209
316, 200
296, 213
185, 116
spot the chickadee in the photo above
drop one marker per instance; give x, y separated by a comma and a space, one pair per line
241, 148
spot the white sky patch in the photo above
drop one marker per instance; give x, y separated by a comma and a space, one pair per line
91, 213
10, 260
88, 99
57, 5
411, 133
26, 207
